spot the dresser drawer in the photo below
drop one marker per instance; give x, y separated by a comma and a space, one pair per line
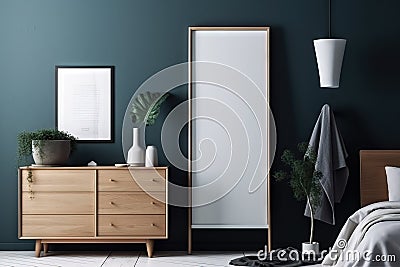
58, 203
134, 180
57, 225
59, 180
131, 203
131, 225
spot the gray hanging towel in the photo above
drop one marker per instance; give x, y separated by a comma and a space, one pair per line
331, 162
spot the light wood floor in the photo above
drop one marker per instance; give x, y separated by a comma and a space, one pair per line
118, 259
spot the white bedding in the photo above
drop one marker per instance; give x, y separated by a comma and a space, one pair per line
370, 237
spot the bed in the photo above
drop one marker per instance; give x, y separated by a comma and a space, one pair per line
371, 236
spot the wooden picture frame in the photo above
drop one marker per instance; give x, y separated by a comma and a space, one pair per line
85, 102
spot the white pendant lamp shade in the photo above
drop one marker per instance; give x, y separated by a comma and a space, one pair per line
329, 53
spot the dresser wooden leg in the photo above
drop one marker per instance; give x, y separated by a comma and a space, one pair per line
45, 248
150, 247
38, 248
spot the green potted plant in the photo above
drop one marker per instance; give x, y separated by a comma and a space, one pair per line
305, 184
47, 146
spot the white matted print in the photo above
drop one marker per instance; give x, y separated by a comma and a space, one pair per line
85, 102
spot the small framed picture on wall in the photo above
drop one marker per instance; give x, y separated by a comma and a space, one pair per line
85, 102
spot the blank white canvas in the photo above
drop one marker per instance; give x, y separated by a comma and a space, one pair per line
84, 102
216, 139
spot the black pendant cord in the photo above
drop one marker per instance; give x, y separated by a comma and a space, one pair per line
329, 18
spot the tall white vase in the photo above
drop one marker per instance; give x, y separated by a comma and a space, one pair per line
136, 154
151, 156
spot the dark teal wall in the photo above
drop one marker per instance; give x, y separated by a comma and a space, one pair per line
143, 37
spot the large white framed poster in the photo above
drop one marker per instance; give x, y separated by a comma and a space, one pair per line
84, 102
229, 128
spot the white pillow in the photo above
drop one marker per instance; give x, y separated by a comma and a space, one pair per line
393, 181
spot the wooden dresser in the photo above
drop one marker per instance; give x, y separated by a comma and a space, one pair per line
93, 205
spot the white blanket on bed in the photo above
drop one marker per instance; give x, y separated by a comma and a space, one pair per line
370, 237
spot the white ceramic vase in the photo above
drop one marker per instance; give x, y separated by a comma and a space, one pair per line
151, 156
136, 154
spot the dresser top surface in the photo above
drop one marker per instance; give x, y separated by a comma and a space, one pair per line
91, 168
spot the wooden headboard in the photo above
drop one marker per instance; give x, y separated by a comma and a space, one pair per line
373, 185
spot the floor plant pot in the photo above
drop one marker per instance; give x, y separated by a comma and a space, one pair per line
310, 248
51, 152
